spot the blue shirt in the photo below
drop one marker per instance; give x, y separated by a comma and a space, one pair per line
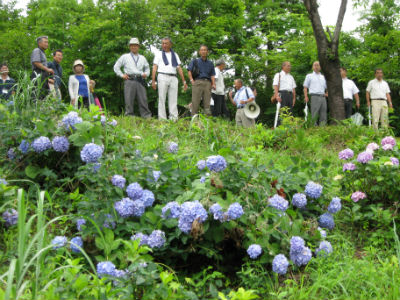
206, 68
83, 88
315, 82
241, 95
6, 87
57, 72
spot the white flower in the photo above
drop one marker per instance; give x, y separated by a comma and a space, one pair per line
388, 163
155, 156
136, 137
338, 177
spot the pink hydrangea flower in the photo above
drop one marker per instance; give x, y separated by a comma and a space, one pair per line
356, 196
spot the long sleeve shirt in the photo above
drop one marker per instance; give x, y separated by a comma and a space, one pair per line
132, 64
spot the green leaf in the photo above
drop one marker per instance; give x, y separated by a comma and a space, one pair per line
32, 171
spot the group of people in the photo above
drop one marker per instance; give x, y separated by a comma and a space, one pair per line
207, 83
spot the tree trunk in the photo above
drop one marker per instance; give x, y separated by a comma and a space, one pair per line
328, 55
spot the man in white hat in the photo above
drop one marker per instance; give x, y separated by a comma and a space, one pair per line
167, 63
136, 70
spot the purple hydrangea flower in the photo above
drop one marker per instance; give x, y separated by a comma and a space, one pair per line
113, 122
75, 242
109, 221
134, 191
302, 257
235, 211
140, 236
346, 154
59, 241
71, 119
278, 203
254, 251
201, 164
324, 248
296, 244
79, 223
24, 146
41, 144
326, 221
191, 211
364, 157
91, 153
335, 205
11, 153
389, 140
173, 147
173, 208
156, 175
105, 268
156, 239
280, 264
356, 196
147, 198
387, 147
118, 181
203, 179
216, 210
10, 216
103, 120
395, 161
216, 163
349, 167
299, 200
372, 146
313, 190
125, 208
60, 144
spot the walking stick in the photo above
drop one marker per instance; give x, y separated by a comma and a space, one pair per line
278, 106
369, 116
306, 112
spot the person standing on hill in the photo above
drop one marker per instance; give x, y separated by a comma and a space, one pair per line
7, 84
39, 66
378, 96
218, 94
315, 84
55, 84
243, 96
349, 90
136, 70
167, 63
78, 86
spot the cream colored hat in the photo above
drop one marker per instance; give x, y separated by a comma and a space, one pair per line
134, 41
77, 63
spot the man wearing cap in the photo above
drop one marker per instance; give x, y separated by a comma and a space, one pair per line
285, 87
315, 83
202, 76
39, 65
378, 95
243, 96
167, 62
218, 94
7, 84
349, 90
136, 69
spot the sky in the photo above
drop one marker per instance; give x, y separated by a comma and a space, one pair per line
328, 10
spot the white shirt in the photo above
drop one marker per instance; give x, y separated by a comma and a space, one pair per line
315, 83
162, 68
139, 66
349, 88
219, 83
287, 82
378, 89
241, 95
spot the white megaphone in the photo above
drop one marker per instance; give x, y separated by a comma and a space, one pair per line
251, 110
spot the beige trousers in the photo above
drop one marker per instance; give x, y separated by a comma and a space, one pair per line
380, 113
242, 120
201, 89
167, 85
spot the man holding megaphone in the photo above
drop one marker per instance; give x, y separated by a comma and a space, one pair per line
244, 96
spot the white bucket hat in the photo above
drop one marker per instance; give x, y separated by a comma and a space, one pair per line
134, 41
77, 63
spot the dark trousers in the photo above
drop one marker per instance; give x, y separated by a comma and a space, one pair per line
84, 101
348, 107
287, 101
135, 90
219, 101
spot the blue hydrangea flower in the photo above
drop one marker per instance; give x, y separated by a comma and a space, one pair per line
191, 211
120, 273
91, 153
118, 181
171, 210
216, 163
11, 153
296, 244
109, 221
10, 216
143, 238
134, 191
125, 207
254, 251
138, 208
302, 257
70, 120
203, 179
235, 211
105, 268
326, 221
278, 202
147, 198
335, 205
156, 175
216, 210
103, 120
59, 241
96, 167
41, 144
80, 223
201, 164
156, 239
173, 147
75, 242
299, 200
280, 264
60, 144
3, 181
322, 232
24, 146
113, 122
313, 190
324, 248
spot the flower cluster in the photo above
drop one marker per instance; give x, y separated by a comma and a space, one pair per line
118, 181
234, 211
365, 157
280, 264
201, 164
191, 211
326, 221
11, 153
10, 216
322, 232
147, 198
324, 248
41, 144
278, 203
387, 147
173, 147
71, 119
313, 190
389, 140
109, 221
254, 251
155, 240
59, 241
356, 196
299, 200
372, 147
76, 243
216, 163
299, 253
60, 144
24, 146
128, 208
134, 191
3, 181
91, 153
156, 175
80, 223
171, 210
105, 268
346, 154
349, 167
113, 122
335, 205
395, 161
